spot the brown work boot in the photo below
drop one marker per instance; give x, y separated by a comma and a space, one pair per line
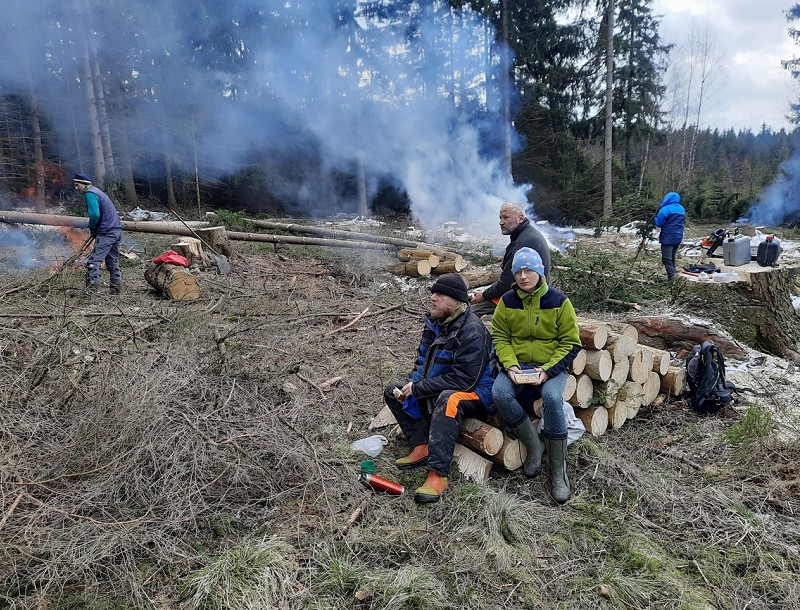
432, 489
415, 459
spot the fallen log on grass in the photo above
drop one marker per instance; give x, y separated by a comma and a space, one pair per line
340, 234
411, 268
174, 282
185, 229
481, 276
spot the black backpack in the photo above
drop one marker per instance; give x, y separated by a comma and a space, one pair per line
709, 391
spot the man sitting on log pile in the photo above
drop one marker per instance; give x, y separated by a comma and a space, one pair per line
452, 380
523, 235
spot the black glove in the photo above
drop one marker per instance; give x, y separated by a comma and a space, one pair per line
93, 233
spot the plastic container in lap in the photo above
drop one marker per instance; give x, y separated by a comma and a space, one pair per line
527, 376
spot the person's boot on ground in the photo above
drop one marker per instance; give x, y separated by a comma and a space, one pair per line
557, 458
529, 437
432, 489
416, 459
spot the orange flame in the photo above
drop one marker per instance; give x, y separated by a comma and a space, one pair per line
74, 237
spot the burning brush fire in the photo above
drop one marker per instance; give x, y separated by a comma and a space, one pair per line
53, 248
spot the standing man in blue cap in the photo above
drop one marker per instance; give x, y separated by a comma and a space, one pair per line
106, 228
670, 218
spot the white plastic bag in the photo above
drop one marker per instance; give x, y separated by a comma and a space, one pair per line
371, 445
575, 427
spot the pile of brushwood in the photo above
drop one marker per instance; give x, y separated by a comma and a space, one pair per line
158, 454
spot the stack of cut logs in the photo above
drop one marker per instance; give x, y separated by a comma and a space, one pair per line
419, 262
612, 377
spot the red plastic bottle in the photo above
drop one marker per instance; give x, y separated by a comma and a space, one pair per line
380, 484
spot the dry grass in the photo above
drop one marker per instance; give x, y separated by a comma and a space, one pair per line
157, 454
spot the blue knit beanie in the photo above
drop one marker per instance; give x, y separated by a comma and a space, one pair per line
527, 258
82, 179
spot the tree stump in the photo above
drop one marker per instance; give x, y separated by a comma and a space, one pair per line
757, 311
216, 239
192, 249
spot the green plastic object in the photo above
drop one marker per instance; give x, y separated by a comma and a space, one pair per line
368, 466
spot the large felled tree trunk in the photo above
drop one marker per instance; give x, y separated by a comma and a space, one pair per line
757, 312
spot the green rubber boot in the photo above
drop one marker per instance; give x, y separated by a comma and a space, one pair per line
529, 437
557, 456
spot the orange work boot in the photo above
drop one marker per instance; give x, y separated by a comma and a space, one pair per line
432, 489
415, 459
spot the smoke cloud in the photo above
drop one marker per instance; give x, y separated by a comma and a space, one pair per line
780, 201
232, 84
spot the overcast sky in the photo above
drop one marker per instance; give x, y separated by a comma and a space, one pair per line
752, 38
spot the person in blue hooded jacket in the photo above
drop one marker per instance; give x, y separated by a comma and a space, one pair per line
451, 380
671, 219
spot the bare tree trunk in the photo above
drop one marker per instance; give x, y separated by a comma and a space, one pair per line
608, 151
171, 202
707, 51
363, 210
505, 85
196, 166
94, 125
38, 151
102, 115
131, 197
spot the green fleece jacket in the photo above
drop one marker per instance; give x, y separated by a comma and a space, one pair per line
536, 329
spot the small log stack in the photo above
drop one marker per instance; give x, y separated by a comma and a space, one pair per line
624, 375
427, 260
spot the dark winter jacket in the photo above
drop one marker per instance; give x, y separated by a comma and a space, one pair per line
455, 356
524, 236
671, 218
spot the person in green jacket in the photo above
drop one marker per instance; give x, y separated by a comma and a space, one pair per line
535, 328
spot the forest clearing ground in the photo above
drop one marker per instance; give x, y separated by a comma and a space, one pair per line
197, 454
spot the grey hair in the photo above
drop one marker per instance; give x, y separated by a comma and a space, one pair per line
511, 205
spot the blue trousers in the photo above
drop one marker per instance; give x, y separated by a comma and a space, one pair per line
510, 397
669, 255
106, 249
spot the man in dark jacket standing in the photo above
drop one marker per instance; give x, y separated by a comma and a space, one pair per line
451, 380
523, 235
671, 219
106, 228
